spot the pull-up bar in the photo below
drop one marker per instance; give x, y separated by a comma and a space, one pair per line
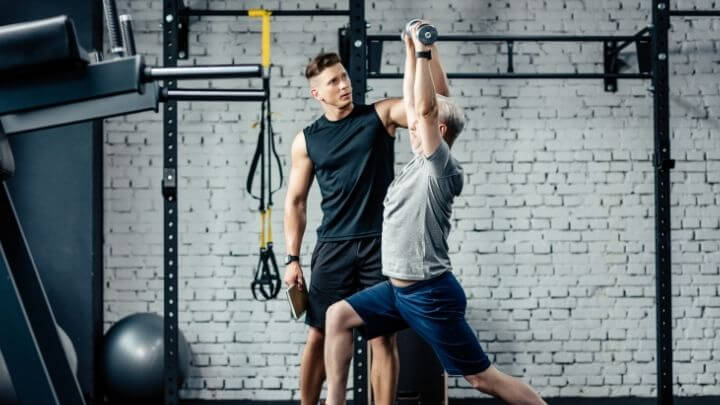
695, 13
372, 75
275, 13
515, 38
185, 12
612, 45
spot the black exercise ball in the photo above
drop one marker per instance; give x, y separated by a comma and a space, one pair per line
133, 360
7, 392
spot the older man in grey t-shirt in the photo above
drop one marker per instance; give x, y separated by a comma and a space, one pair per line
422, 292
416, 219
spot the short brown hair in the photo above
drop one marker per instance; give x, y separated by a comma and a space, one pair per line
320, 63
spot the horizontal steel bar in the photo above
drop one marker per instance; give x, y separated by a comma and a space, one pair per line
525, 76
202, 72
695, 13
516, 38
275, 13
213, 95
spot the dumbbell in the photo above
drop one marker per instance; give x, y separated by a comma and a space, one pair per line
427, 33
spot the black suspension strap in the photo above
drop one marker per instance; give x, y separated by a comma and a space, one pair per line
266, 279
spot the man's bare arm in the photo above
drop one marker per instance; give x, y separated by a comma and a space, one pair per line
409, 81
301, 177
426, 105
439, 76
393, 111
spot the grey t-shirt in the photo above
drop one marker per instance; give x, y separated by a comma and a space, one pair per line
416, 220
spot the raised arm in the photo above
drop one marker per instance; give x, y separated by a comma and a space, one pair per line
409, 80
438, 73
393, 110
301, 177
426, 106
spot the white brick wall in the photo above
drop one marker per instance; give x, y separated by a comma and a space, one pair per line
553, 236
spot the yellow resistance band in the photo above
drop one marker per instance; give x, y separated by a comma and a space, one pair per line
265, 15
263, 242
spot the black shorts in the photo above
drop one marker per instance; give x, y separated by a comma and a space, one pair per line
339, 269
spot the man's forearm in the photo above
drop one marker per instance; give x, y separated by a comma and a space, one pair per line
409, 83
439, 76
425, 102
295, 220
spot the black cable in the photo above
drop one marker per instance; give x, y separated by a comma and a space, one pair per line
266, 85
259, 148
266, 279
271, 134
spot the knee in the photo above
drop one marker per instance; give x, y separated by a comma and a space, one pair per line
335, 316
316, 338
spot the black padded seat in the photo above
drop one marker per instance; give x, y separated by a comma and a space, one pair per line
37, 46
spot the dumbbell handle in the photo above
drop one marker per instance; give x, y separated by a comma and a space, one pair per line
410, 24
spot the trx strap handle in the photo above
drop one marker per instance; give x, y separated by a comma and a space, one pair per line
266, 280
267, 275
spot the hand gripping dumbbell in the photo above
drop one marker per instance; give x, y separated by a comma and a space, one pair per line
427, 33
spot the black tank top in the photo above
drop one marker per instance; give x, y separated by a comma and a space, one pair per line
353, 159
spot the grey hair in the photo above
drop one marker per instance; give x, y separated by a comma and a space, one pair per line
451, 115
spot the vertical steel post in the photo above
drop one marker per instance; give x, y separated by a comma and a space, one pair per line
663, 163
358, 77
170, 214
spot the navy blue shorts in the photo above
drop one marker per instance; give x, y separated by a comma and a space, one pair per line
434, 309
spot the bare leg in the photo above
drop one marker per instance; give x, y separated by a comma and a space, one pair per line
385, 369
510, 389
339, 321
312, 368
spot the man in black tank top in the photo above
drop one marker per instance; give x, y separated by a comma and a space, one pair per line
350, 150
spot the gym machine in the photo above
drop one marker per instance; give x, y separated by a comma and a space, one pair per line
66, 87
58, 84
